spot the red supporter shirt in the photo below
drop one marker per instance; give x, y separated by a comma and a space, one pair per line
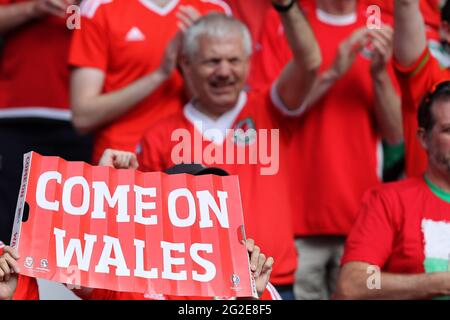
33, 69
126, 39
27, 289
403, 227
266, 205
415, 82
334, 155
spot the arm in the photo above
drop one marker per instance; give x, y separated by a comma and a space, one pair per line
16, 14
387, 101
352, 284
297, 77
410, 37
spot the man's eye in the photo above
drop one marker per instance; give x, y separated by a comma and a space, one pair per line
213, 62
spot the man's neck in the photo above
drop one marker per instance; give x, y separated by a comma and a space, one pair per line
439, 179
206, 111
337, 7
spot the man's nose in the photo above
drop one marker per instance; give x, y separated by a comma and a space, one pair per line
223, 69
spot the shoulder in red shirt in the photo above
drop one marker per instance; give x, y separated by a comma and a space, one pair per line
401, 228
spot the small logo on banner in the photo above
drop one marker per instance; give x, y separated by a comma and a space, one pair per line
44, 263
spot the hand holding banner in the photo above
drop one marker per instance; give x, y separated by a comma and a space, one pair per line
129, 231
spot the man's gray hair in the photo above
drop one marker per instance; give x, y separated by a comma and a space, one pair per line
215, 25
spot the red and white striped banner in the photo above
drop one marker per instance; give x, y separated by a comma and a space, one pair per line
125, 230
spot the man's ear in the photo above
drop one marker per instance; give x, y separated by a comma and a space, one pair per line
423, 138
184, 64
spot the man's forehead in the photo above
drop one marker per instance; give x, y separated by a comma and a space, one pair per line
232, 42
441, 110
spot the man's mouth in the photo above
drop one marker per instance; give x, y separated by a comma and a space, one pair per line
222, 87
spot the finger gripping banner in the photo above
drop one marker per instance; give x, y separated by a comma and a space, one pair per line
130, 231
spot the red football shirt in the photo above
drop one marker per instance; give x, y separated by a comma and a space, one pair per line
334, 157
33, 69
403, 227
415, 81
126, 39
27, 289
265, 198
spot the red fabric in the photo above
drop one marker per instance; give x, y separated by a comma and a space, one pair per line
334, 158
388, 231
33, 64
252, 13
265, 198
102, 43
415, 81
27, 289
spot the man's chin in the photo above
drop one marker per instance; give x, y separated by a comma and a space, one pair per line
225, 101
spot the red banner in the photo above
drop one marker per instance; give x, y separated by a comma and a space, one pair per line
125, 230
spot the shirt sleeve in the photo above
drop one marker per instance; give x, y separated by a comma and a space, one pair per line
89, 47
418, 78
372, 236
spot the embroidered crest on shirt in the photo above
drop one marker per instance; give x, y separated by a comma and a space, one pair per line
245, 132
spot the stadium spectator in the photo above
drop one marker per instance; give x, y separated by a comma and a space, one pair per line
417, 72
215, 63
34, 85
401, 237
334, 152
124, 79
